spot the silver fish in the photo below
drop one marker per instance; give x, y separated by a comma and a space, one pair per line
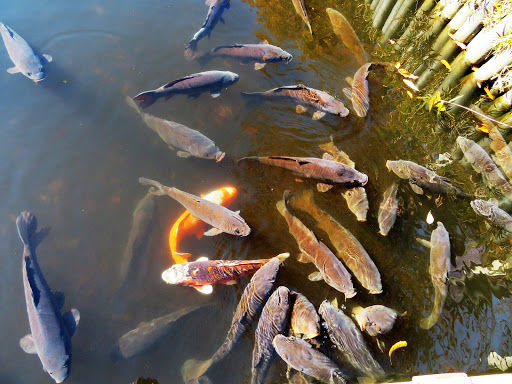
482, 163
148, 333
300, 355
388, 209
349, 341
357, 202
439, 269
51, 331
219, 217
376, 320
192, 85
23, 56
273, 321
421, 178
189, 141
247, 312
491, 211
320, 100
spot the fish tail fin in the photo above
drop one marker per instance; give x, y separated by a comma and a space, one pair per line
203, 57
132, 104
190, 49
156, 187
181, 257
281, 207
430, 320
193, 370
283, 256
27, 226
145, 99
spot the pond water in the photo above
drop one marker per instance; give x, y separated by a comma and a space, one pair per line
72, 151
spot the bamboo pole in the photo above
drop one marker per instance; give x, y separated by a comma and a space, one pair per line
453, 25
398, 4
426, 7
374, 4
382, 12
464, 33
396, 20
484, 73
475, 52
499, 106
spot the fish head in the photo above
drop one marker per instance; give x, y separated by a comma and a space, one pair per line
36, 76
58, 367
399, 167
482, 207
230, 78
277, 54
241, 230
176, 274
337, 377
463, 143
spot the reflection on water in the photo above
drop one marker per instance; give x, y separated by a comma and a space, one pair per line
72, 151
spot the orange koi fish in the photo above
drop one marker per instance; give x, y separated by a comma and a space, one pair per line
203, 273
187, 225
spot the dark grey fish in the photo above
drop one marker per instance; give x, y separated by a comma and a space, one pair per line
247, 312
305, 321
349, 341
177, 136
262, 54
376, 320
148, 333
422, 178
23, 56
320, 100
388, 209
213, 16
219, 217
325, 171
137, 245
300, 355
273, 321
192, 85
51, 331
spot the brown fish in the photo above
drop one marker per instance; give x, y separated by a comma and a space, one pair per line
300, 8
322, 101
219, 217
324, 171
348, 36
482, 163
189, 141
348, 247
313, 251
376, 320
336, 153
422, 178
388, 209
305, 320
491, 211
273, 321
439, 269
349, 341
247, 312
300, 355
357, 202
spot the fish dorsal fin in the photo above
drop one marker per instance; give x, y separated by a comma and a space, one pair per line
48, 58
71, 319
202, 258
168, 85
142, 324
205, 289
59, 299
265, 42
27, 344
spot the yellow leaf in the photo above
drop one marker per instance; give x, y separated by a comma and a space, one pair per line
489, 94
474, 68
483, 128
409, 93
406, 74
392, 42
410, 84
400, 344
446, 64
397, 65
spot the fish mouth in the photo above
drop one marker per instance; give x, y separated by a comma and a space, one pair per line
220, 156
287, 59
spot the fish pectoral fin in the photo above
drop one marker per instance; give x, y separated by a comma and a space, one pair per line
183, 154
222, 20
318, 115
205, 289
71, 320
13, 70
327, 156
48, 58
27, 344
322, 187
300, 109
193, 96
334, 303
424, 242
213, 232
215, 93
202, 258
315, 276
230, 282
418, 190
303, 258
259, 66
59, 299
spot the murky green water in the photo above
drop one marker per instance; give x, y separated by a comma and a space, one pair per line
71, 152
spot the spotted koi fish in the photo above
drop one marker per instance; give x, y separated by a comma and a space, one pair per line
203, 273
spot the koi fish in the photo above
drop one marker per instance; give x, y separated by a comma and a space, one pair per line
203, 273
187, 225
305, 321
388, 209
300, 8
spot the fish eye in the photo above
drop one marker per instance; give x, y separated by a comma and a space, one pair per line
29, 73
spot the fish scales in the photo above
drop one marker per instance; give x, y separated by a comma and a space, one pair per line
301, 356
247, 312
330, 268
349, 249
273, 321
388, 209
492, 212
347, 338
